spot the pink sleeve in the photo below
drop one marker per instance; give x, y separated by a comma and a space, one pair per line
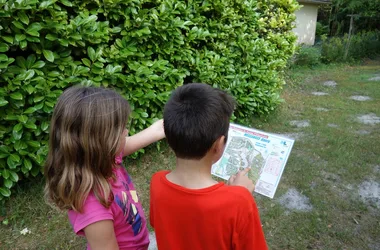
93, 212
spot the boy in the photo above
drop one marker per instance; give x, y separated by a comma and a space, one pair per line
188, 209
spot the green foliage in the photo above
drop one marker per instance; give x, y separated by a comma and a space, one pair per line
362, 45
332, 49
307, 56
321, 30
142, 48
367, 15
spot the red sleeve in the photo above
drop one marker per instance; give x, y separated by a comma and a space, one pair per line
249, 233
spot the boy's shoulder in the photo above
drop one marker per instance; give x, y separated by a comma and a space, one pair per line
236, 194
158, 180
160, 174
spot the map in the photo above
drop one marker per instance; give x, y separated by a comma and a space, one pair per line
265, 153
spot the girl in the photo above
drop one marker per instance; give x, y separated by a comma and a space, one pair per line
84, 175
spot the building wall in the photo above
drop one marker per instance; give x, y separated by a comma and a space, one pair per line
306, 23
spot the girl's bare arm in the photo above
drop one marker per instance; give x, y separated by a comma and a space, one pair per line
142, 139
101, 235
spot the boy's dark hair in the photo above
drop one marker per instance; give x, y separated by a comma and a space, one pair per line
195, 116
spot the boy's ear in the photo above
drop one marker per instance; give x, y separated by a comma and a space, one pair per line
217, 149
219, 145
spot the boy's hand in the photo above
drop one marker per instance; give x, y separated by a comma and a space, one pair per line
241, 179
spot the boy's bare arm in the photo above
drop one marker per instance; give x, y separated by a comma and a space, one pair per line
241, 179
142, 139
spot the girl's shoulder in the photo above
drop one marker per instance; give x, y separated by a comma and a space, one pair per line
119, 159
119, 171
121, 175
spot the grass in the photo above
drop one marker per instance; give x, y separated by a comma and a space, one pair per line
327, 165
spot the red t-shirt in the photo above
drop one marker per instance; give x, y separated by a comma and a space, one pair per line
219, 217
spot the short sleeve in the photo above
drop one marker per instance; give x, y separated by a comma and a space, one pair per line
249, 234
93, 212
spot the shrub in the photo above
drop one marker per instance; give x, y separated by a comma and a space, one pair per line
332, 49
365, 45
321, 30
142, 48
362, 45
307, 56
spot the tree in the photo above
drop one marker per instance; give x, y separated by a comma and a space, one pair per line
367, 11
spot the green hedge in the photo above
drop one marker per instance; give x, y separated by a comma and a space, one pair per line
144, 49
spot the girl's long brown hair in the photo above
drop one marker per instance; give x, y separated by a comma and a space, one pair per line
85, 134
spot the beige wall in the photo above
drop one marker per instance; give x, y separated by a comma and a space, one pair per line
306, 23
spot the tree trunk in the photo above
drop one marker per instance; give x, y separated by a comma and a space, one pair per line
349, 37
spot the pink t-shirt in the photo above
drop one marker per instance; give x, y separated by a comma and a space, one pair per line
125, 211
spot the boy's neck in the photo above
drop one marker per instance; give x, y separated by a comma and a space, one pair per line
192, 174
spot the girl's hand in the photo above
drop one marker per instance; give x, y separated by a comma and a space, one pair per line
153, 133
158, 127
241, 179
